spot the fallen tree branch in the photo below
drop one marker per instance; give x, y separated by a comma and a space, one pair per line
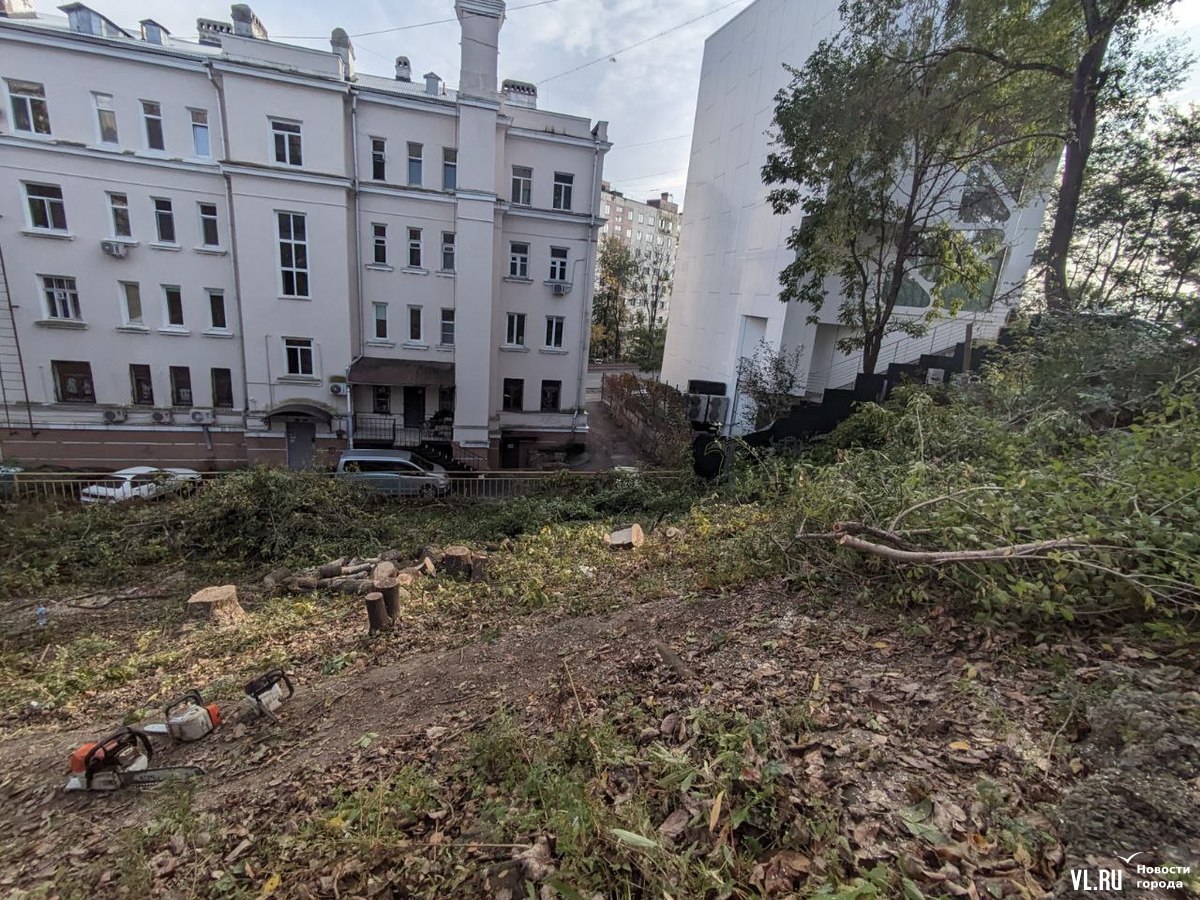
938, 557
904, 513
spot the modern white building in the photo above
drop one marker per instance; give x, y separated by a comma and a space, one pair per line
725, 303
650, 230
239, 250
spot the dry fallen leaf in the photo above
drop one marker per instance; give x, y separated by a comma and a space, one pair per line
715, 813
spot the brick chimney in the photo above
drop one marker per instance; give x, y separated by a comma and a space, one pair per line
246, 23
339, 42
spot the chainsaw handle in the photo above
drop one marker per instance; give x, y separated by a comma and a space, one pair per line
268, 680
109, 749
192, 696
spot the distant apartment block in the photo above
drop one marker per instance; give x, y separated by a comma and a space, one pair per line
651, 231
230, 250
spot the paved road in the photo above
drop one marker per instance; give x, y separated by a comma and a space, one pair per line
607, 444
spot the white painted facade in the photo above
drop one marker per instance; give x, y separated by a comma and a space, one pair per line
398, 279
733, 247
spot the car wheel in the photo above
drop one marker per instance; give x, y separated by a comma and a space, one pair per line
427, 491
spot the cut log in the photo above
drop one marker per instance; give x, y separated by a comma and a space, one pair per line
427, 566
391, 555
302, 583
625, 538
378, 619
391, 600
346, 584
358, 568
383, 570
331, 569
219, 603
479, 566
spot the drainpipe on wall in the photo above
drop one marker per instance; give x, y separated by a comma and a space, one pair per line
585, 331
219, 89
358, 267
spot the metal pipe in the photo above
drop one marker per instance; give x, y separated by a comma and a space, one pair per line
586, 319
17, 345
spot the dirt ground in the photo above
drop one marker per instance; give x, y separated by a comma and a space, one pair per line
949, 751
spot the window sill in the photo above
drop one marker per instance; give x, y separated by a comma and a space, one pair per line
380, 342
299, 379
444, 348
211, 251
218, 333
51, 233
514, 348
177, 331
294, 297
554, 351
415, 345
123, 239
444, 273
517, 279
76, 324
163, 245
380, 267
415, 270
134, 329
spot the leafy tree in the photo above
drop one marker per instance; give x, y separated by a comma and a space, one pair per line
618, 275
1138, 246
876, 137
771, 379
646, 344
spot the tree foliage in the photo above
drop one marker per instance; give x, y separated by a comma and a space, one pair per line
771, 379
1137, 249
877, 135
619, 272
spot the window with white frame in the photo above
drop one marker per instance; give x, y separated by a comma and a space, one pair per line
558, 263
29, 110
118, 205
379, 232
416, 324
514, 335
293, 254
522, 185
62, 297
563, 185
447, 251
518, 260
200, 141
164, 220
131, 303
218, 320
415, 153
47, 212
152, 118
414, 248
449, 169
378, 159
172, 306
513, 397
288, 142
447, 335
299, 355
607, 209
381, 321
106, 118
554, 331
210, 234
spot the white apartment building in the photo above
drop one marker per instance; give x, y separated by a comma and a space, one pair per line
235, 250
733, 247
651, 231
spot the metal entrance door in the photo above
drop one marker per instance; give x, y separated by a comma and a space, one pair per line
301, 444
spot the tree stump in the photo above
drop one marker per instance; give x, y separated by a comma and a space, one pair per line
456, 561
378, 619
219, 603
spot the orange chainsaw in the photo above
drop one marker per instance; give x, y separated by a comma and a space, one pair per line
120, 760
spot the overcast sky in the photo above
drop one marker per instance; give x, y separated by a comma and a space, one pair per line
647, 93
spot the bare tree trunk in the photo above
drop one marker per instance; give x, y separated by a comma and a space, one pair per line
1084, 87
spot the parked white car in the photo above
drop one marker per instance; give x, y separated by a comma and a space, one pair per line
139, 483
399, 473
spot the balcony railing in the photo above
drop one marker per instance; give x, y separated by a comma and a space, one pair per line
377, 428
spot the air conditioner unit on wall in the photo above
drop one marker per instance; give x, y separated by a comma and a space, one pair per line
202, 417
113, 416
162, 417
338, 389
561, 289
115, 249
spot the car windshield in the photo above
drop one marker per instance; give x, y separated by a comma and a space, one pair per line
422, 464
